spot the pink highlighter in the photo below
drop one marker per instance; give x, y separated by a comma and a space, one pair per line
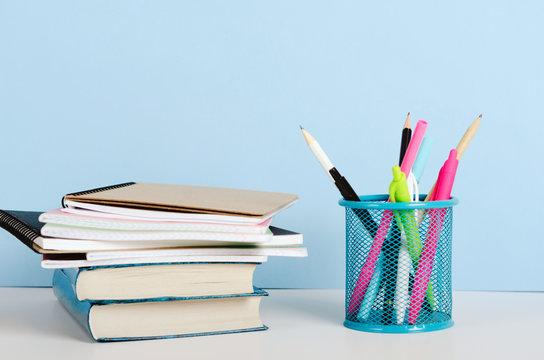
444, 185
383, 229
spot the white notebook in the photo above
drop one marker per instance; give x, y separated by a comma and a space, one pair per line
293, 251
103, 221
49, 263
68, 232
168, 240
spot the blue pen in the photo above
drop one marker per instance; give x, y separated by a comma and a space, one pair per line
371, 293
417, 170
421, 158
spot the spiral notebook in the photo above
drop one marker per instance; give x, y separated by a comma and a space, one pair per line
182, 198
26, 227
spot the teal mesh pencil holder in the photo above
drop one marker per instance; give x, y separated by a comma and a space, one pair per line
398, 265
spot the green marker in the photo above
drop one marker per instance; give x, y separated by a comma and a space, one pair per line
398, 192
406, 221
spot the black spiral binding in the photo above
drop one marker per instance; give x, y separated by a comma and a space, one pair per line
18, 229
97, 190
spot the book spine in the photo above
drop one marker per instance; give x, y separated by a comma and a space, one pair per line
64, 290
19, 229
72, 274
96, 190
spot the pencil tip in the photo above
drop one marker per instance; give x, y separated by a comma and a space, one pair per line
408, 123
408, 114
480, 116
309, 138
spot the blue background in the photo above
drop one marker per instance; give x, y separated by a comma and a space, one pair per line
212, 93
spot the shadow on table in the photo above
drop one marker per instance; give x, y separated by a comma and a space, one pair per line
44, 318
317, 304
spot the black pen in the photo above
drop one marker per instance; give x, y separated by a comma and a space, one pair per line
405, 139
341, 183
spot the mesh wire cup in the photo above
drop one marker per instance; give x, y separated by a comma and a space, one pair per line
398, 265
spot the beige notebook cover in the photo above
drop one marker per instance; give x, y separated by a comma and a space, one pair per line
187, 198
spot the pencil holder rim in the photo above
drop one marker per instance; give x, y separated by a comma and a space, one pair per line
379, 201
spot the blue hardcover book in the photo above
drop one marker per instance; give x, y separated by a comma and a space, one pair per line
160, 281
161, 318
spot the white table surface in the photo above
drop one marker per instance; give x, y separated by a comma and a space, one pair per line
304, 324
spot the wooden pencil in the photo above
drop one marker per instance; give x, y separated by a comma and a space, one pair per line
462, 146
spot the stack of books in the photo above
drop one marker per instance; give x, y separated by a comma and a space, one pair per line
141, 260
